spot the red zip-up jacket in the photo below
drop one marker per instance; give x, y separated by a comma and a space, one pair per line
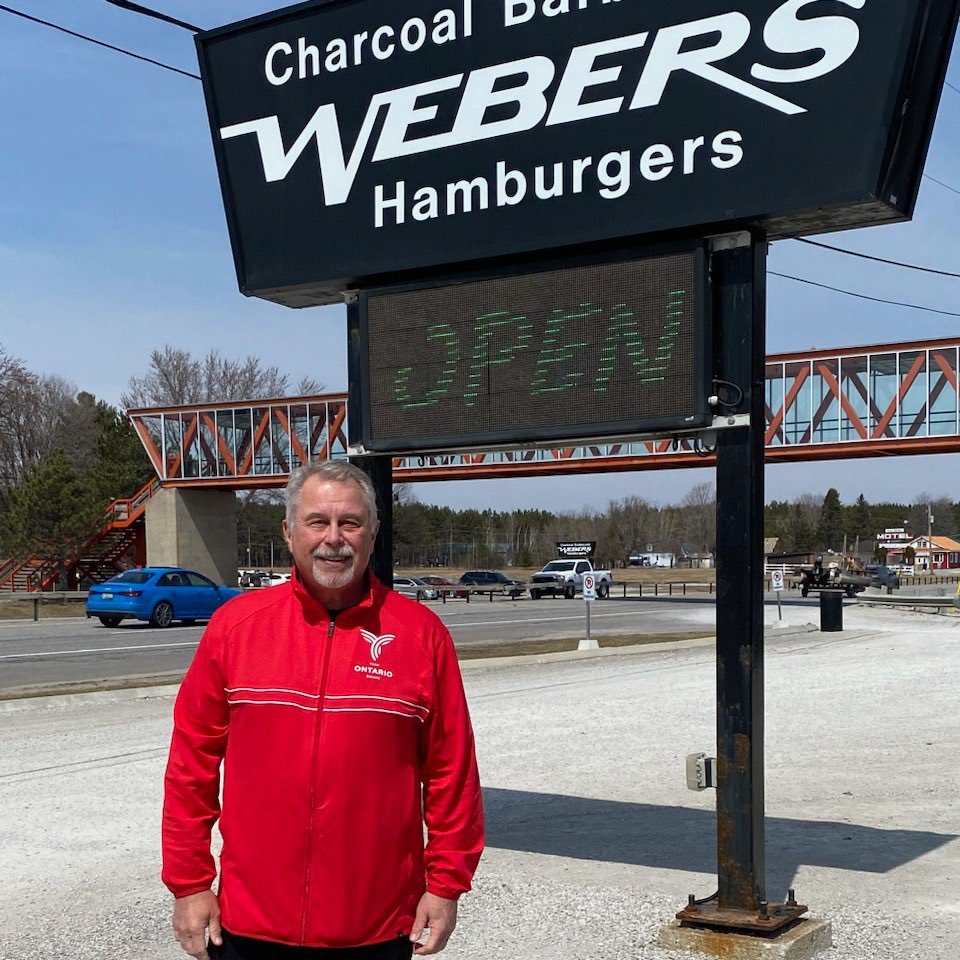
332, 734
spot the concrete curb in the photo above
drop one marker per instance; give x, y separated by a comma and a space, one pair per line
166, 685
136, 688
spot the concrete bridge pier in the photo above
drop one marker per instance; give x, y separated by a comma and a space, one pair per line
196, 529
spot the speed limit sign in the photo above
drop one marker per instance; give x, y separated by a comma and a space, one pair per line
589, 587
776, 578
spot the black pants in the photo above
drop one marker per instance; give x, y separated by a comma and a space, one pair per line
244, 948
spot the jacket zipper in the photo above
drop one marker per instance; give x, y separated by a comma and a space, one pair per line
313, 779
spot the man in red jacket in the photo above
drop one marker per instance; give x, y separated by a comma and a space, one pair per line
337, 709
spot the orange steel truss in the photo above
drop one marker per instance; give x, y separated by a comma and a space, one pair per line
888, 399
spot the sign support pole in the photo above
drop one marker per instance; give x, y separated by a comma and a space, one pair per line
740, 288
378, 468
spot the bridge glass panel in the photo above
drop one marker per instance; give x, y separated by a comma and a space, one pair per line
226, 446
300, 430
208, 445
912, 418
943, 392
152, 425
826, 401
338, 446
854, 411
243, 436
883, 380
172, 446
280, 430
798, 402
773, 397
262, 465
318, 430
191, 444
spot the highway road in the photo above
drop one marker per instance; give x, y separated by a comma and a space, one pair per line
75, 650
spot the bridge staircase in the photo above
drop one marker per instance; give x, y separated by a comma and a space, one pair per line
116, 541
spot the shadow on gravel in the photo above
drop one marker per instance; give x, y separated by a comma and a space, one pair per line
679, 838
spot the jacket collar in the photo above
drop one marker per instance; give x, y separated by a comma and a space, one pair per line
315, 612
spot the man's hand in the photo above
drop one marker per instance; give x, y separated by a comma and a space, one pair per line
440, 916
191, 917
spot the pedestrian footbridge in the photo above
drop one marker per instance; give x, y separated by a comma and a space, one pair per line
884, 400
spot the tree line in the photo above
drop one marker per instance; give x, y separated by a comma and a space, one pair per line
426, 534
65, 454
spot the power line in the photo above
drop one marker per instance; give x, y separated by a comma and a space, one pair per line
156, 14
866, 256
940, 183
952, 87
863, 296
99, 43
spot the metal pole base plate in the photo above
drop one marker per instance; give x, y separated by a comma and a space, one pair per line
710, 915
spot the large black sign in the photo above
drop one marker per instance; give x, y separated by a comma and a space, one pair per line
368, 138
577, 551
589, 349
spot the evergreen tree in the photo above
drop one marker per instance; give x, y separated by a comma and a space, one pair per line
801, 534
829, 531
50, 512
120, 465
861, 523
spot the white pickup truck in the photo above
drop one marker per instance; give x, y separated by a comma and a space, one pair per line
565, 578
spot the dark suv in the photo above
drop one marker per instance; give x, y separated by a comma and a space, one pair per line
494, 578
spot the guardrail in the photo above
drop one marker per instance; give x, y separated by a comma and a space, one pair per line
479, 591
919, 602
670, 588
47, 597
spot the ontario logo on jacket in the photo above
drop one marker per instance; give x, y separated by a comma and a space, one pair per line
374, 671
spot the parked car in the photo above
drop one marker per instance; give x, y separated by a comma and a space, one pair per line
254, 579
882, 576
435, 581
494, 578
158, 595
414, 587
565, 578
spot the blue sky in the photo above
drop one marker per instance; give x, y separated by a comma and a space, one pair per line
113, 241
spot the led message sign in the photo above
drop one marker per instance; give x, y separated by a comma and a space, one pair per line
592, 349
360, 139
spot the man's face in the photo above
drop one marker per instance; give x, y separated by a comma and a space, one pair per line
330, 535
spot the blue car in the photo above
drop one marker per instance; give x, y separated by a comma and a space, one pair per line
158, 595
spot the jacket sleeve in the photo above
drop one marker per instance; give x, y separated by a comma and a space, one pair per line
452, 802
191, 802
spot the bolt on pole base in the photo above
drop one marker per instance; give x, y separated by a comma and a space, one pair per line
768, 918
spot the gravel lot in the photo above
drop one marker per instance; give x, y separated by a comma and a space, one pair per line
593, 839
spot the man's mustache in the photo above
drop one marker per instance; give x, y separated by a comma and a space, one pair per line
346, 553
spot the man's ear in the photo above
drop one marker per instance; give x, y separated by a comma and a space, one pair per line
286, 534
376, 529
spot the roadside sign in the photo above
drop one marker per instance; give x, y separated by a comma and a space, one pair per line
429, 138
777, 578
589, 587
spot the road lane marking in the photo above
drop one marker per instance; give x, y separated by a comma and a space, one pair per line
67, 653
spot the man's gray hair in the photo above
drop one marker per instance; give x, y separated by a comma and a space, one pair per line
333, 471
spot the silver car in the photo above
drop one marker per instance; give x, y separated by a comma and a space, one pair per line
414, 587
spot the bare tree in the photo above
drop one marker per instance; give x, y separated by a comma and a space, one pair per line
176, 377
699, 517
941, 509
36, 415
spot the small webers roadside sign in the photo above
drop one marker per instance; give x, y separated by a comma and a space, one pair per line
365, 138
